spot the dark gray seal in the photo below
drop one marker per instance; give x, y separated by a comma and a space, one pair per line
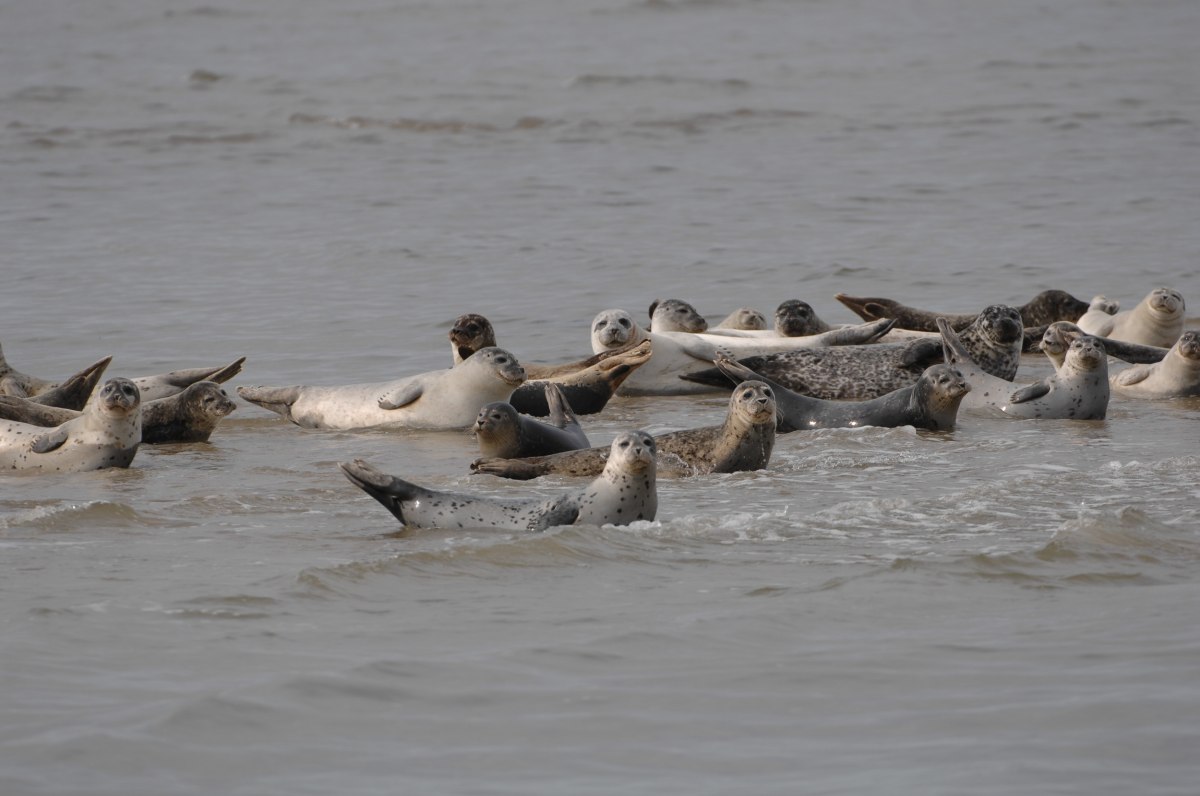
626, 491
743, 442
795, 318
505, 433
931, 403
1044, 308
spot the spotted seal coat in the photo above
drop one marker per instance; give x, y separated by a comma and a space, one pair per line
624, 492
744, 441
931, 403
444, 399
106, 434
505, 433
1176, 376
1046, 307
1157, 320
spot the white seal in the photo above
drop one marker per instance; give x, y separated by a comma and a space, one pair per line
1176, 376
1157, 320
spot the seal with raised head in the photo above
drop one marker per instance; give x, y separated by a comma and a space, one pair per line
443, 399
188, 416
854, 373
678, 353
625, 491
1046, 307
995, 339
1176, 376
675, 315
1058, 336
106, 434
744, 319
505, 433
1157, 320
744, 441
931, 403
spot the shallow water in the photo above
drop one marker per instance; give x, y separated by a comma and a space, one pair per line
323, 188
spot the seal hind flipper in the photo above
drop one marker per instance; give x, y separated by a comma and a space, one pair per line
222, 375
387, 489
402, 396
560, 414
869, 309
32, 413
277, 399
75, 391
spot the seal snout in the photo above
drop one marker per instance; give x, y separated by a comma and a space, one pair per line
120, 395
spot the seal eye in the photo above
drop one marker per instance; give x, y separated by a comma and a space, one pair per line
623, 443
601, 324
624, 322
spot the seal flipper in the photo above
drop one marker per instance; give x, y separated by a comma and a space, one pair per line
869, 309
387, 489
33, 413
75, 391
50, 441
517, 469
1031, 392
403, 395
1132, 375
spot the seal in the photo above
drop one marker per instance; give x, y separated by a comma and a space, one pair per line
795, 318
444, 399
505, 433
107, 434
165, 384
74, 392
188, 416
931, 403
1079, 390
744, 441
625, 491
678, 353
1044, 308
1157, 320
1058, 336
995, 339
744, 319
1176, 376
855, 373
675, 315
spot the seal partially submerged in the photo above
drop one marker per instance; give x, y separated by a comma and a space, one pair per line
505, 433
1046, 307
625, 491
1176, 376
744, 441
1157, 320
931, 403
106, 434
442, 399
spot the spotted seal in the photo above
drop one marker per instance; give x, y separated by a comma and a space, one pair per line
744, 441
1157, 320
625, 491
1176, 376
106, 434
445, 399
678, 353
745, 319
188, 416
1046, 307
505, 433
675, 315
1058, 336
931, 403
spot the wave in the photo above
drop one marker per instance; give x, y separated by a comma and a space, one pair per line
72, 516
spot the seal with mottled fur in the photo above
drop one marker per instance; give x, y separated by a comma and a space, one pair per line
1176, 376
678, 353
1157, 320
675, 315
1046, 307
505, 433
444, 399
188, 416
743, 442
931, 403
107, 434
855, 373
625, 491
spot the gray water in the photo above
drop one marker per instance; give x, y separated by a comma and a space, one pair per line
322, 187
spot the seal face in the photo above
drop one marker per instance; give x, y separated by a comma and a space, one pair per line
613, 328
745, 319
470, 333
189, 416
995, 339
675, 315
795, 318
624, 492
1176, 376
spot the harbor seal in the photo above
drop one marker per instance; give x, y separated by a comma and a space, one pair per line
744, 319
106, 434
795, 318
931, 403
1157, 320
1046, 307
855, 373
505, 433
744, 441
1058, 336
678, 353
445, 399
188, 416
165, 384
675, 315
625, 491
1176, 376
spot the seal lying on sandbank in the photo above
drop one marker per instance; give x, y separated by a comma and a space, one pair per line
1046, 307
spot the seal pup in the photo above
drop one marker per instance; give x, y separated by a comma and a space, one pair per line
1157, 320
1046, 307
505, 433
677, 353
744, 441
444, 399
106, 434
1058, 336
855, 373
675, 315
625, 491
188, 416
931, 403
744, 319
1176, 376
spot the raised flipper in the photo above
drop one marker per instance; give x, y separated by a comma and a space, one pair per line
277, 399
75, 391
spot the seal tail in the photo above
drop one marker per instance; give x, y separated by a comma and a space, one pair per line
278, 399
387, 489
189, 376
952, 347
561, 414
869, 309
